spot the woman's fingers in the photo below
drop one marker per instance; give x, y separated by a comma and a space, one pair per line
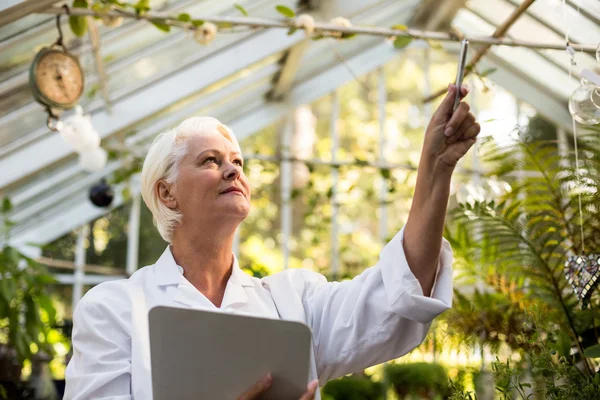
457, 118
472, 132
310, 391
257, 389
465, 125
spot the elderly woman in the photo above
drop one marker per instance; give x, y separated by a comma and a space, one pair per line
194, 185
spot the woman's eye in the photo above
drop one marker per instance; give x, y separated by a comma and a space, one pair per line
239, 162
211, 160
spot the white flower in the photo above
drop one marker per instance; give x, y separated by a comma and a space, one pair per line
307, 23
342, 22
93, 160
205, 33
112, 21
77, 130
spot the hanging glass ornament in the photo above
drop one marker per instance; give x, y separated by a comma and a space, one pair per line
582, 104
101, 194
93, 160
583, 273
77, 130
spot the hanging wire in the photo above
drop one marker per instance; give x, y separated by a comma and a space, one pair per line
571, 53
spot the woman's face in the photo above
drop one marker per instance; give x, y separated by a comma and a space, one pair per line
211, 181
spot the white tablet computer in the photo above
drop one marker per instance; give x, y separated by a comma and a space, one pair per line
199, 355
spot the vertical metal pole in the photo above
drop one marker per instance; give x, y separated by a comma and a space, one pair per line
476, 163
286, 188
79, 264
383, 190
335, 250
236, 243
133, 234
563, 145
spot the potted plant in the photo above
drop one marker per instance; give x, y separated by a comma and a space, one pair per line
421, 379
353, 387
26, 309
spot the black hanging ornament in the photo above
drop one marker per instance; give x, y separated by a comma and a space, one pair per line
583, 273
101, 194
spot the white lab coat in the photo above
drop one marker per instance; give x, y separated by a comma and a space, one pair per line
375, 317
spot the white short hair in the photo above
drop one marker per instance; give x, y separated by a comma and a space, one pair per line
163, 160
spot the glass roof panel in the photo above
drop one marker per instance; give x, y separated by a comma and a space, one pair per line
528, 28
530, 63
135, 57
580, 28
232, 103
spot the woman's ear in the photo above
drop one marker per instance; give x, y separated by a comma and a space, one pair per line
165, 194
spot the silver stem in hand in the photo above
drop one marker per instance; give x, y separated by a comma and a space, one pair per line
461, 72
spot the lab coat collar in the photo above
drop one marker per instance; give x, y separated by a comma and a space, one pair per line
169, 273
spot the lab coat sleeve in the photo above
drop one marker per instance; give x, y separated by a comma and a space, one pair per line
379, 315
101, 364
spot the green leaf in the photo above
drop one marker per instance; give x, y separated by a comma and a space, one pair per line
527, 385
116, 3
295, 193
402, 41
184, 17
93, 90
385, 173
242, 9
285, 11
400, 27
126, 193
142, 6
292, 30
45, 303
487, 72
592, 352
223, 25
360, 161
434, 44
197, 22
6, 205
161, 25
100, 8
347, 35
78, 24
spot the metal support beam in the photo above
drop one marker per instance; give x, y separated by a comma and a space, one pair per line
79, 274
383, 190
285, 182
133, 233
288, 71
333, 132
12, 10
68, 279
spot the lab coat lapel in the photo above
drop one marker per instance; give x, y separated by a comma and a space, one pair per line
235, 292
170, 277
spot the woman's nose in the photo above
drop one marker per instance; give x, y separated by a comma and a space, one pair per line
231, 172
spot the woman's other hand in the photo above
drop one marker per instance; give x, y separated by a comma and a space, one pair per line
450, 134
265, 383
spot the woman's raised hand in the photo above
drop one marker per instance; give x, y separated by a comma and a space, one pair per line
450, 134
264, 384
